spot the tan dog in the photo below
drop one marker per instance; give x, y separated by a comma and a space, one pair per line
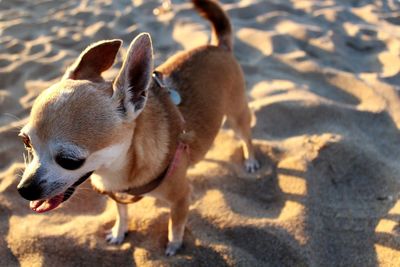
128, 133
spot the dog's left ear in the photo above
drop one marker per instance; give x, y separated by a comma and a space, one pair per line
133, 80
95, 59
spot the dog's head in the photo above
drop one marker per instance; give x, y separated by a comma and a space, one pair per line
81, 123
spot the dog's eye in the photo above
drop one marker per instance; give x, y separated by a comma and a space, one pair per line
68, 163
26, 140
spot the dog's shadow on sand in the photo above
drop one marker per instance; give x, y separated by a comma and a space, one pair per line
350, 195
264, 245
153, 239
351, 184
201, 248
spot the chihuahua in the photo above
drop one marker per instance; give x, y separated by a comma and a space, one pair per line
137, 135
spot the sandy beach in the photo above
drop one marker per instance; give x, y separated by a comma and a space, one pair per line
323, 80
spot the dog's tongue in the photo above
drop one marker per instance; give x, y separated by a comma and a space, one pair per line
40, 206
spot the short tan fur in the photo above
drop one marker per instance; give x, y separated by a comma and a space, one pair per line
128, 130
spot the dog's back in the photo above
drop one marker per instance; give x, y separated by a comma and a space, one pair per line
209, 80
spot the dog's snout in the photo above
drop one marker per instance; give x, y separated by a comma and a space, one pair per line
30, 189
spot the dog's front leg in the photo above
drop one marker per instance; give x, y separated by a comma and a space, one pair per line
176, 224
117, 234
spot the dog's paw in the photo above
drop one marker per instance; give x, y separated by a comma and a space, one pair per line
172, 248
251, 165
113, 238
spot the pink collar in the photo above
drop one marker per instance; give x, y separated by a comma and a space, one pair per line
182, 147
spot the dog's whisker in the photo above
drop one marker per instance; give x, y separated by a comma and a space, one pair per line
12, 116
23, 154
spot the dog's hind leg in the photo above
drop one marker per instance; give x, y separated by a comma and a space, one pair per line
176, 225
240, 121
116, 235
177, 193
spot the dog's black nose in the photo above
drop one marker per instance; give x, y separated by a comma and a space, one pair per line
29, 190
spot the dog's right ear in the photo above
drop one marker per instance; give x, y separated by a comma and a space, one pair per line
133, 80
95, 59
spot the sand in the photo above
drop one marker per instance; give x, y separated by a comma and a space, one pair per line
323, 80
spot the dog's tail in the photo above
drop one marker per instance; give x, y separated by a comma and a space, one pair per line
222, 28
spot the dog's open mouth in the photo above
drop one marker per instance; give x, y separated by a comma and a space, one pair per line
44, 205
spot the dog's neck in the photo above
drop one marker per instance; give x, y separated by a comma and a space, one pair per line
150, 145
155, 137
